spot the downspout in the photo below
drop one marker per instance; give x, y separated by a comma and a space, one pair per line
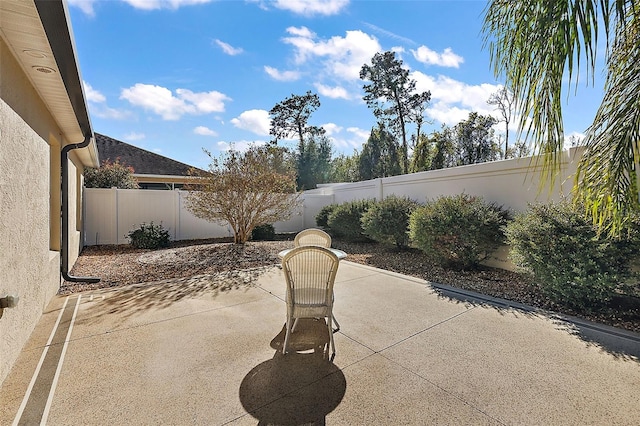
64, 244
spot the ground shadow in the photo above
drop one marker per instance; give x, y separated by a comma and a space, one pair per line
620, 343
296, 388
139, 298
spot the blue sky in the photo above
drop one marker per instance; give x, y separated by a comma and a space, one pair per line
177, 76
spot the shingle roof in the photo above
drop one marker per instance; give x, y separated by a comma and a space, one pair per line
143, 162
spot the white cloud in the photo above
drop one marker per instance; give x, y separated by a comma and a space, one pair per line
84, 5
204, 131
163, 4
303, 32
228, 49
573, 139
92, 94
453, 100
87, 5
342, 56
336, 92
240, 146
306, 7
98, 105
254, 120
282, 75
133, 136
162, 101
205, 102
103, 111
331, 128
445, 59
359, 133
355, 137
447, 114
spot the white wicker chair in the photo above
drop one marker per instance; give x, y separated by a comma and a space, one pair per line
312, 237
315, 237
310, 272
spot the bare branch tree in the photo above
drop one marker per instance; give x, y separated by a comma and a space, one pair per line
503, 99
244, 189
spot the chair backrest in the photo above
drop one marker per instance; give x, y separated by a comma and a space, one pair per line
310, 273
312, 237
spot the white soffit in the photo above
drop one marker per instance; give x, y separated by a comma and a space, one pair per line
22, 30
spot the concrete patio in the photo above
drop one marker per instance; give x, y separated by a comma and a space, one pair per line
193, 352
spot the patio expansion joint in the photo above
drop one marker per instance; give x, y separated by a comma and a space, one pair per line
453, 395
380, 352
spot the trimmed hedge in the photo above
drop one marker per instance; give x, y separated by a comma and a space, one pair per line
458, 231
572, 263
344, 220
387, 221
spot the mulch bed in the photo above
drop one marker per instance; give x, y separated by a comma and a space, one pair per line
122, 265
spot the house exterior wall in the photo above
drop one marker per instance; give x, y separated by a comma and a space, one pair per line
30, 144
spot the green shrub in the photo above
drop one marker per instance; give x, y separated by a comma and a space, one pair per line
344, 220
110, 175
149, 236
264, 232
322, 218
458, 231
573, 264
388, 221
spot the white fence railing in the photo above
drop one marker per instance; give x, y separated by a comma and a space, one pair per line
109, 214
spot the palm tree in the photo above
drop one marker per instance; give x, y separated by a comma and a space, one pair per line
533, 45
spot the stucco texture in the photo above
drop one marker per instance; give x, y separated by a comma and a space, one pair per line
29, 269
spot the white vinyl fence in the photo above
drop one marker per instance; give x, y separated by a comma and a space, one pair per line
109, 214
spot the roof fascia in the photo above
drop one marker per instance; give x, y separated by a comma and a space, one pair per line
54, 16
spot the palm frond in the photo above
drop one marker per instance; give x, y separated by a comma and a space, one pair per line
607, 179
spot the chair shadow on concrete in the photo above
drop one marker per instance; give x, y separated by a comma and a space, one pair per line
619, 343
138, 298
301, 387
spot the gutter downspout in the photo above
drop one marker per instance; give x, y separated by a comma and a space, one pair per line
64, 245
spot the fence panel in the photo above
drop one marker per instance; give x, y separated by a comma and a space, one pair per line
100, 216
110, 214
194, 228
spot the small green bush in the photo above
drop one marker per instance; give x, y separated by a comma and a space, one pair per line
573, 264
149, 236
344, 220
388, 220
458, 231
322, 218
264, 232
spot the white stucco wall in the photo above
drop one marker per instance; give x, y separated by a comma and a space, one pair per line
30, 142
28, 268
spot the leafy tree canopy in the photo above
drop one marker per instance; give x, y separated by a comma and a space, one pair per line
380, 156
391, 94
110, 175
289, 118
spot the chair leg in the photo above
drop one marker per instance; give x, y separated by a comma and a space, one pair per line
295, 323
332, 344
286, 336
335, 330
